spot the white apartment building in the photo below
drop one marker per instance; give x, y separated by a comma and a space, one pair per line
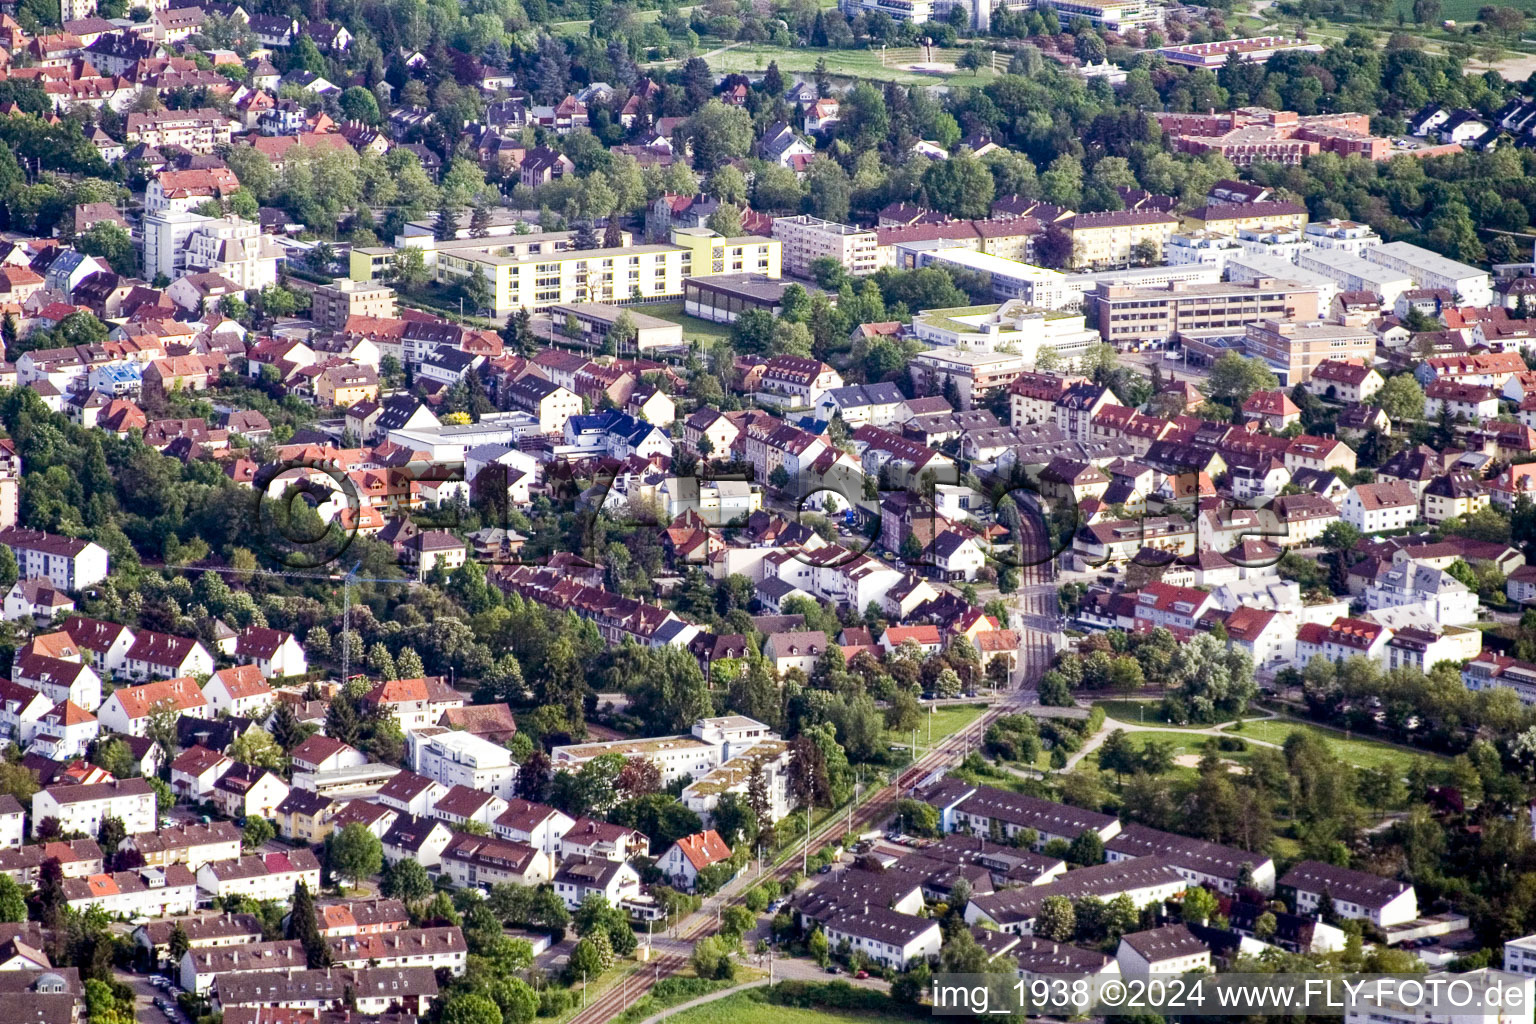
1371, 508
1353, 274
68, 563
1445, 600
261, 876
1202, 248
807, 239
1520, 955
1342, 235
713, 742
1355, 894
180, 243
464, 759
145, 892
83, 807
770, 759
1431, 270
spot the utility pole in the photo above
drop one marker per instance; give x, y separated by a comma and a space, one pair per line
805, 858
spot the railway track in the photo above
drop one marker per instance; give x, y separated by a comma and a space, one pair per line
1035, 652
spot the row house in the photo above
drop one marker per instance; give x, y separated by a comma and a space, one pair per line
129, 710
1345, 638
473, 861
615, 617
83, 807
270, 876
368, 990
1161, 606
203, 931
441, 949
57, 679
191, 844
127, 895
165, 656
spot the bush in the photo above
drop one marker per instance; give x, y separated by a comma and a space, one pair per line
836, 995
1231, 744
555, 1001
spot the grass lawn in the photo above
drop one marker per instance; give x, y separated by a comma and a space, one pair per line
1184, 745
745, 1009
1363, 753
1138, 712
704, 331
840, 64
945, 722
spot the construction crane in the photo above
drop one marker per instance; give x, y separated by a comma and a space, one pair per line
348, 580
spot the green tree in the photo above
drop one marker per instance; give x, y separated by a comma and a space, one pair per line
406, 881
257, 833
818, 947
13, 901
355, 852
471, 1008
1199, 906
959, 186
1057, 920
1401, 398
1233, 378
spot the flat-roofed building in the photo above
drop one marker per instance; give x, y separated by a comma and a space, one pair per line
807, 239
975, 374
1253, 50
332, 304
1293, 347
1353, 274
1471, 286
1134, 317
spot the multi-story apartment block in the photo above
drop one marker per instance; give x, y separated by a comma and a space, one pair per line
464, 759
1293, 347
67, 562
1117, 237
1129, 316
83, 807
198, 130
807, 239
332, 304
1469, 285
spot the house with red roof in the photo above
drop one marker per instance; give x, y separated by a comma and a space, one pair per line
1344, 638
1163, 606
413, 703
239, 691
926, 636
1345, 380
1273, 409
166, 656
129, 709
688, 856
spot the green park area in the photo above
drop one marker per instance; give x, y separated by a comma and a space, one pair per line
936, 726
753, 1008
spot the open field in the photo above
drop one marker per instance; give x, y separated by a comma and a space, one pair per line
748, 58
945, 722
703, 331
1139, 712
745, 1009
1363, 753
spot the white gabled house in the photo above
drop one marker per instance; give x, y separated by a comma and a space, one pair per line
130, 709
57, 679
688, 856
108, 643
83, 807
274, 652
164, 656
241, 691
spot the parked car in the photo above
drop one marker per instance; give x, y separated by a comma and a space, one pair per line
862, 975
